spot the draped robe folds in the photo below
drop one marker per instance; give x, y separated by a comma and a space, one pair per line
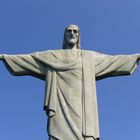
70, 92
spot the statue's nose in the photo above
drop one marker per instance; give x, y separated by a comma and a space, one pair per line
72, 32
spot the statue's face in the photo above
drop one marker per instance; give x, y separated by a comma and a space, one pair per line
72, 35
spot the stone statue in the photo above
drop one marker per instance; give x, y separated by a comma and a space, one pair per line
70, 75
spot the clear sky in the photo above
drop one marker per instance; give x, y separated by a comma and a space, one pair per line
107, 26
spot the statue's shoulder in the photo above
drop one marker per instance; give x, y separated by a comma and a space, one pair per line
94, 53
46, 52
53, 51
68, 52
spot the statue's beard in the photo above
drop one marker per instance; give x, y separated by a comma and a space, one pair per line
71, 45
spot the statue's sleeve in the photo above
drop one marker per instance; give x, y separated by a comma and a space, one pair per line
19, 65
117, 65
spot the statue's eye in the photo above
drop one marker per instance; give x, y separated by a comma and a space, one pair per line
72, 31
69, 30
75, 31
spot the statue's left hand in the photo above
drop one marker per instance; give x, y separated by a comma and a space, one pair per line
138, 56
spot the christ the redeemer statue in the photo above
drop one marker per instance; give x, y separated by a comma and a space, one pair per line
70, 75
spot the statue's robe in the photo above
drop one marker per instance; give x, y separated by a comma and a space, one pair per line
70, 92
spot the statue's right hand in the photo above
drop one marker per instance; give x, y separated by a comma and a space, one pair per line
1, 58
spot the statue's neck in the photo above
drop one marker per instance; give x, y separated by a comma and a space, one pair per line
71, 46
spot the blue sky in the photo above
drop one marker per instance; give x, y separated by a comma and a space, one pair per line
107, 26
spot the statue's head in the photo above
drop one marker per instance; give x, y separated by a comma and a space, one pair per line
71, 36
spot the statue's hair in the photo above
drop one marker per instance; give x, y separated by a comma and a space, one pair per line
64, 40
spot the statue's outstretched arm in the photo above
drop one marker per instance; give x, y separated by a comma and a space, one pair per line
117, 65
23, 65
